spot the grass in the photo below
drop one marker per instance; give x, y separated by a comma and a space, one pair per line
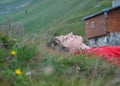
6, 1
47, 14
47, 68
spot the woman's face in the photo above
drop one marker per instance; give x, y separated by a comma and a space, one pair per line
72, 42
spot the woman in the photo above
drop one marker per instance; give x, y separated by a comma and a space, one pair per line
74, 44
71, 43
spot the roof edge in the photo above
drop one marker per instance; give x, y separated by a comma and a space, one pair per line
98, 13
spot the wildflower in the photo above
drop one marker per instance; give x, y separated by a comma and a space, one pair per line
13, 53
18, 71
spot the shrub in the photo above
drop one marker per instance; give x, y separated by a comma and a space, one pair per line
6, 41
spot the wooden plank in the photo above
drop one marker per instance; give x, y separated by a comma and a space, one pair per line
114, 21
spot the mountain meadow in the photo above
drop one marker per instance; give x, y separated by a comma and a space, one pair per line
26, 27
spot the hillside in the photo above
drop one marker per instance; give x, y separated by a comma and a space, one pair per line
58, 16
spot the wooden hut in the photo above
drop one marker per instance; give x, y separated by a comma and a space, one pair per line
103, 28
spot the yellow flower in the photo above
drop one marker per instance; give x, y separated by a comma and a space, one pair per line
18, 71
13, 53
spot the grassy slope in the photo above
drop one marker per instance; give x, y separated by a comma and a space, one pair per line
59, 16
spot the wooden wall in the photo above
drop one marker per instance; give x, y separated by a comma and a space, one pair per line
113, 20
96, 26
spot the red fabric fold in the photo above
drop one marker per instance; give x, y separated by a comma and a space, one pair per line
110, 53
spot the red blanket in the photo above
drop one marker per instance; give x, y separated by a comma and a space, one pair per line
110, 53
